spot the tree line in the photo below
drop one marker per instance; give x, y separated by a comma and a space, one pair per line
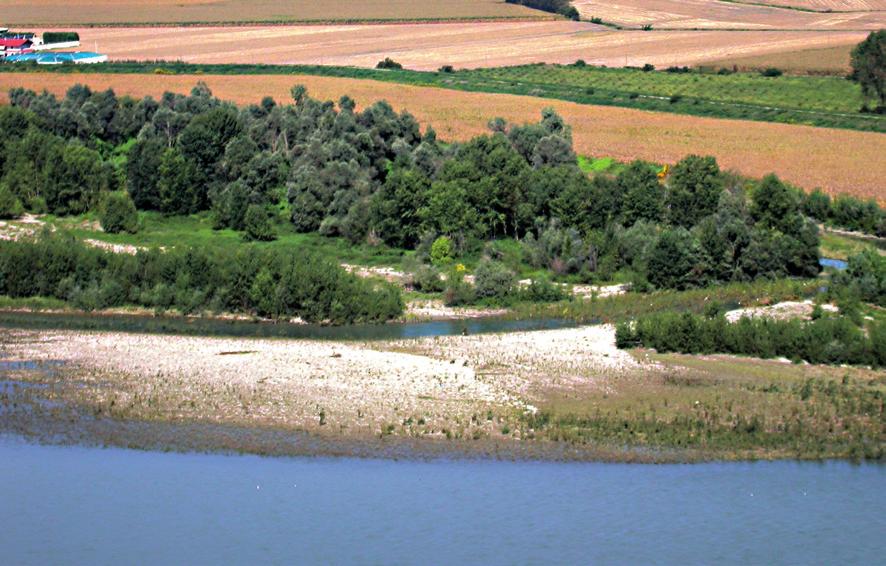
562, 7
269, 282
374, 176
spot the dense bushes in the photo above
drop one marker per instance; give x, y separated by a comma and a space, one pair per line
863, 279
263, 281
824, 341
846, 211
60, 36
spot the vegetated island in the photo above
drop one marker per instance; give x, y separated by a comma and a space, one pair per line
508, 219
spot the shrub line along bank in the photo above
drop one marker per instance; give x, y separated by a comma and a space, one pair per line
479, 81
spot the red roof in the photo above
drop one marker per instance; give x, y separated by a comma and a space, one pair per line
14, 42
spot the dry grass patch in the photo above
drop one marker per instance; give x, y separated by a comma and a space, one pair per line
839, 161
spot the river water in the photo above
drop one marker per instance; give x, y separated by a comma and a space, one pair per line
74, 505
219, 327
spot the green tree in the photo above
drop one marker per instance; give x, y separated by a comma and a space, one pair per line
774, 204
177, 184
142, 166
643, 194
869, 66
118, 214
694, 190
75, 175
394, 207
675, 261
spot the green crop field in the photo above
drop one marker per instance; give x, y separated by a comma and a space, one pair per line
823, 94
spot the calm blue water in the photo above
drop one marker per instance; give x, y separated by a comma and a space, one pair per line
837, 264
88, 505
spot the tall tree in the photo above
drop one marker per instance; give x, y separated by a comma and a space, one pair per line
869, 66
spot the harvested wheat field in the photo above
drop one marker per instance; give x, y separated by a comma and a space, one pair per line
839, 161
111, 12
714, 14
826, 61
826, 5
427, 47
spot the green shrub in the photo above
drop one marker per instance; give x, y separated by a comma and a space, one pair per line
118, 214
458, 292
388, 63
771, 72
257, 225
492, 280
10, 206
542, 290
426, 279
441, 251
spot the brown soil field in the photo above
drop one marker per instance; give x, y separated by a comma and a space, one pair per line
713, 14
824, 5
838, 161
427, 47
827, 61
109, 12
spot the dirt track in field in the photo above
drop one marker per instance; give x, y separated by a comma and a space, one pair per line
428, 47
84, 12
715, 14
839, 161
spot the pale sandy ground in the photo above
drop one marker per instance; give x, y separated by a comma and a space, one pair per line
428, 47
358, 388
780, 311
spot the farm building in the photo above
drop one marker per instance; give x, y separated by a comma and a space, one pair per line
15, 46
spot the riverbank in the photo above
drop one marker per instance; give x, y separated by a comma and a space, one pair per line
557, 394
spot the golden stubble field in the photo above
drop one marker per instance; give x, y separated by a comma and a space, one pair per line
74, 12
838, 161
715, 14
823, 61
825, 5
429, 46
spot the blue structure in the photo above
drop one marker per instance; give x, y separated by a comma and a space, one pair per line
59, 58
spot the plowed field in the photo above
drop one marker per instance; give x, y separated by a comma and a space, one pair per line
839, 161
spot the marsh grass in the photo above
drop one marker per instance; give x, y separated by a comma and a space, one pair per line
727, 407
